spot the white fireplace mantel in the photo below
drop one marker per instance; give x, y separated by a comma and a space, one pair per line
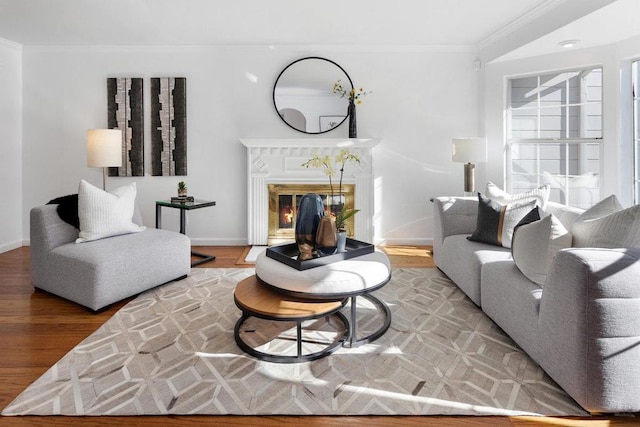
272, 161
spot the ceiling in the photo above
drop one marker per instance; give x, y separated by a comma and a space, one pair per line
446, 24
617, 21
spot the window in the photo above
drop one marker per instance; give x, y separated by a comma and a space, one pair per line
635, 81
554, 128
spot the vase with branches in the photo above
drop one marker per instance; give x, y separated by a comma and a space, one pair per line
355, 97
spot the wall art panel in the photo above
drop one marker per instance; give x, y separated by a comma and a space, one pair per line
126, 112
169, 126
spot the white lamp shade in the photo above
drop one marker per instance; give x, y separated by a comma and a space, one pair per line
469, 150
104, 148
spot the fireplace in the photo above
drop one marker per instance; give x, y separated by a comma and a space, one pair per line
279, 162
285, 198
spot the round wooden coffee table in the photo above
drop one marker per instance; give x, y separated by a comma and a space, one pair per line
255, 299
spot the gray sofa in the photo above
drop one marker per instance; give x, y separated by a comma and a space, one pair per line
582, 327
96, 274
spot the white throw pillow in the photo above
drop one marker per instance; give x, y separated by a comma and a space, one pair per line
607, 225
105, 214
540, 195
535, 244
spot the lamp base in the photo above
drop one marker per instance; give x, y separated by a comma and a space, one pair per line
104, 179
469, 178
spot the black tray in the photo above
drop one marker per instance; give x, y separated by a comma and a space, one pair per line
288, 254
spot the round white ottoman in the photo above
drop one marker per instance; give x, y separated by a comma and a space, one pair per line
354, 276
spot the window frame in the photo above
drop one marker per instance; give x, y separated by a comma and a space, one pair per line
635, 129
510, 141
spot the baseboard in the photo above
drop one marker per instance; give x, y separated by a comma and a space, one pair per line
219, 242
409, 241
10, 246
417, 241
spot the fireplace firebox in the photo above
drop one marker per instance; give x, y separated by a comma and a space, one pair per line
284, 200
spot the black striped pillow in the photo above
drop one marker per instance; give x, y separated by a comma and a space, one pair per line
496, 222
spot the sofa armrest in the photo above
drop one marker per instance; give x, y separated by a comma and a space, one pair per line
453, 215
590, 328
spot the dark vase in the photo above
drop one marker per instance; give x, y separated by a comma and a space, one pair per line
310, 210
326, 237
353, 128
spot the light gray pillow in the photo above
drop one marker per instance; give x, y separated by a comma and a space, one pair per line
104, 214
534, 246
607, 225
540, 194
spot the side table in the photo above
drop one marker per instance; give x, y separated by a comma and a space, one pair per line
184, 207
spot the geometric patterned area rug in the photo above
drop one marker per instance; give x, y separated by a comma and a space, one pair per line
172, 351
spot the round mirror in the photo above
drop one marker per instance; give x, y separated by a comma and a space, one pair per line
303, 95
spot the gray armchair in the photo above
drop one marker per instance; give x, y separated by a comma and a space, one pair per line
99, 273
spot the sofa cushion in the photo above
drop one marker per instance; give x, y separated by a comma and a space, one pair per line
540, 194
462, 260
98, 273
607, 225
535, 245
496, 222
513, 303
104, 214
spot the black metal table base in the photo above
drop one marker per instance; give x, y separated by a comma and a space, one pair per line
348, 339
353, 340
299, 357
184, 207
204, 258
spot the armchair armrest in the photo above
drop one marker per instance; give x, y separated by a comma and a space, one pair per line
47, 230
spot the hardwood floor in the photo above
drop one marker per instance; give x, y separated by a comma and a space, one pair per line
37, 329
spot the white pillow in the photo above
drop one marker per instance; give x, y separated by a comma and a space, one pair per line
540, 195
105, 214
607, 225
535, 244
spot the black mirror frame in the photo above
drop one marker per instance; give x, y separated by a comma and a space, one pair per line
285, 69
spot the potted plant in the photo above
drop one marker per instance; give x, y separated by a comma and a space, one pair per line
341, 219
343, 157
182, 189
343, 216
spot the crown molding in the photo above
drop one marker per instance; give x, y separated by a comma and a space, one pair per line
407, 48
10, 44
520, 22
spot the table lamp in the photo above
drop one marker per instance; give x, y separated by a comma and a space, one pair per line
469, 150
104, 150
